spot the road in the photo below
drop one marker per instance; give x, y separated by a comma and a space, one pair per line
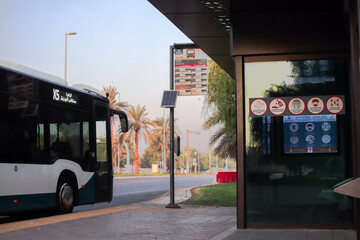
128, 190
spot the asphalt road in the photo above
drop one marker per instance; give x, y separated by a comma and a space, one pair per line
128, 190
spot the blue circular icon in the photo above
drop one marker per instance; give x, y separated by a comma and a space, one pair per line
16, 168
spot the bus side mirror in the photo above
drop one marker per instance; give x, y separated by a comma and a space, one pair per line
177, 146
124, 124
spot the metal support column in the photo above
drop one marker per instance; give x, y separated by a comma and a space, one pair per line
172, 185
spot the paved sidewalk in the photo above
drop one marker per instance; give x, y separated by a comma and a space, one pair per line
151, 220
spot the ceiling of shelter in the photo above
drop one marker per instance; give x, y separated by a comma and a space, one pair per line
206, 23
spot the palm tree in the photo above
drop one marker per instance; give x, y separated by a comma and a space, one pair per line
112, 92
158, 133
223, 140
139, 125
124, 147
225, 143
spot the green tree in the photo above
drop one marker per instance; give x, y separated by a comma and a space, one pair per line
139, 125
221, 97
112, 92
152, 154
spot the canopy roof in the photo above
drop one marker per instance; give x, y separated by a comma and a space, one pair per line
206, 23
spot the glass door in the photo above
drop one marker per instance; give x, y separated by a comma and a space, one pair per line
103, 178
298, 151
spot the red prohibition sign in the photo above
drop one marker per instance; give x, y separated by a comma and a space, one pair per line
277, 106
258, 107
335, 104
315, 105
296, 106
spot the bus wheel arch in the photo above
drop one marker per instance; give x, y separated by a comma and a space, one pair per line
66, 192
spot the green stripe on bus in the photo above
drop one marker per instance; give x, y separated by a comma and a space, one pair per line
18, 203
87, 194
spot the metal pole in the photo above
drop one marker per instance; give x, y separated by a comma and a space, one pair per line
199, 163
163, 163
118, 160
66, 34
118, 155
172, 190
65, 54
172, 155
210, 152
128, 170
187, 152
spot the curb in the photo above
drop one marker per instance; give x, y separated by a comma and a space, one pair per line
224, 234
188, 194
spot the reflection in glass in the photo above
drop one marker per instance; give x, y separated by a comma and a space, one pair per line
296, 188
101, 141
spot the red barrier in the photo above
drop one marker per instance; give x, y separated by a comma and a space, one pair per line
222, 177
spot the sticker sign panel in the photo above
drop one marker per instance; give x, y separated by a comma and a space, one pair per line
335, 104
258, 107
277, 106
310, 134
297, 106
315, 105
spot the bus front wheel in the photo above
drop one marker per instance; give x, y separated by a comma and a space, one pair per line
65, 195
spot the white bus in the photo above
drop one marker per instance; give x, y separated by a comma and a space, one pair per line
55, 144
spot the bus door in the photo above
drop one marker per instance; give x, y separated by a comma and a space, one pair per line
103, 170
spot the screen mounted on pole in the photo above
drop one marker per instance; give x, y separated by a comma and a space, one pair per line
191, 70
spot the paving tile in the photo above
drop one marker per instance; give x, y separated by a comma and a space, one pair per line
344, 234
319, 235
152, 221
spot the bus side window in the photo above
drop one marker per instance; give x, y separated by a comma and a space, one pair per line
101, 141
86, 154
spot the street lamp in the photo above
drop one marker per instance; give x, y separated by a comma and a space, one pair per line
66, 34
187, 147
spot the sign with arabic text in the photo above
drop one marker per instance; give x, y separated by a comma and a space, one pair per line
64, 96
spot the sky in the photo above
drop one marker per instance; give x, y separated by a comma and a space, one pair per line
118, 42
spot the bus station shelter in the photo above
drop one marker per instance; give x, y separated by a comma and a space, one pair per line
296, 67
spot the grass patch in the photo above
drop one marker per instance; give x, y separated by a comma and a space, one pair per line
223, 194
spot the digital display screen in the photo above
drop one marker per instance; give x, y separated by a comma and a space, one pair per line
310, 134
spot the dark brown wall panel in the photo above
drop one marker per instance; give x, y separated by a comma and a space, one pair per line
279, 33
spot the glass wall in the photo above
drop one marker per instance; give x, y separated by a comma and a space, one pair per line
287, 182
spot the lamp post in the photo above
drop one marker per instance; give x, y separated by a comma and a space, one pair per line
187, 147
66, 34
164, 143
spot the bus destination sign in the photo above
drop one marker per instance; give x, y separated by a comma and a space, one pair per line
63, 96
